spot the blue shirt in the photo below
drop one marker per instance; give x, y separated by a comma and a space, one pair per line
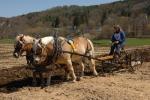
118, 37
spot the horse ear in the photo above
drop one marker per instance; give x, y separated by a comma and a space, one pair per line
40, 43
21, 37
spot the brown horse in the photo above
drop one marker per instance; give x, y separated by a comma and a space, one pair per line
44, 50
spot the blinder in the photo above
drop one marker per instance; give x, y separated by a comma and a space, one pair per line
18, 47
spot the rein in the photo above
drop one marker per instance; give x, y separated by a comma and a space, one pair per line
83, 55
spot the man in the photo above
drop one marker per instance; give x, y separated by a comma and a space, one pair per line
118, 40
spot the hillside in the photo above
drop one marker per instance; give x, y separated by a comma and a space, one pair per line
97, 20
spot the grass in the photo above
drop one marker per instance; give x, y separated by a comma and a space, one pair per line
6, 41
101, 42
129, 42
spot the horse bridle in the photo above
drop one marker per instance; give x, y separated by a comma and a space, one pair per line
18, 47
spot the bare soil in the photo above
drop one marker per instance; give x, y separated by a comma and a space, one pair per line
15, 83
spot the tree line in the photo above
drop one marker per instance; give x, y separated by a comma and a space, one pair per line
96, 21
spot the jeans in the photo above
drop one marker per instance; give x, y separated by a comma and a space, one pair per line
116, 48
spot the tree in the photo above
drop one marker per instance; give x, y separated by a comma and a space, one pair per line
104, 17
55, 22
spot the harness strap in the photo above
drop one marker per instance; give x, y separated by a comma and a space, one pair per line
57, 50
71, 43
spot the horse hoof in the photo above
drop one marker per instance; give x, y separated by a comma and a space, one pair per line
79, 78
43, 86
82, 74
95, 74
74, 81
102, 75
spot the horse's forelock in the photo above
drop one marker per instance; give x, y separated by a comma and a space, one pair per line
17, 38
20, 42
36, 45
39, 45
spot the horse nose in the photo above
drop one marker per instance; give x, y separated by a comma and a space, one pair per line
36, 60
15, 54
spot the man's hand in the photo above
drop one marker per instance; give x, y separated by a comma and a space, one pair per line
115, 42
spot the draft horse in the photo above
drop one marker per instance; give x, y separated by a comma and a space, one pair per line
24, 43
44, 50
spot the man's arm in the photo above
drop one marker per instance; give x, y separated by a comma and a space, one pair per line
122, 37
114, 41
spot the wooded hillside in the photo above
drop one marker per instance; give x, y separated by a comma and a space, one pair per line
94, 21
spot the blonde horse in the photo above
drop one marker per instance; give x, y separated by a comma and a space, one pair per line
23, 43
44, 52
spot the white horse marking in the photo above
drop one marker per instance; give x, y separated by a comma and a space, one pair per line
47, 40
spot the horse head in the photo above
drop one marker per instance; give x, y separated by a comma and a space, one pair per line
20, 42
42, 48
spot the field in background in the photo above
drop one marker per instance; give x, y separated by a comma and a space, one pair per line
102, 42
7, 41
129, 42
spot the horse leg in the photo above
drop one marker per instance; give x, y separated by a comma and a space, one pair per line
42, 79
82, 68
27, 59
71, 70
66, 77
93, 67
48, 82
34, 81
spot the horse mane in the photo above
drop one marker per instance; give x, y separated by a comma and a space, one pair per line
46, 40
25, 38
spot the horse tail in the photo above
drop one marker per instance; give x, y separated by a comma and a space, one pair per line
90, 47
